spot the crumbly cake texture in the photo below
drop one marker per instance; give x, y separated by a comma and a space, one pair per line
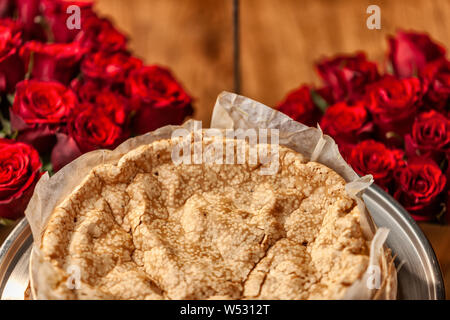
146, 228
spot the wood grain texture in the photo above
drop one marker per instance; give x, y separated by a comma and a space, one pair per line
192, 37
439, 237
281, 40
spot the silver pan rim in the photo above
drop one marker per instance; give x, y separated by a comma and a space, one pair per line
16, 239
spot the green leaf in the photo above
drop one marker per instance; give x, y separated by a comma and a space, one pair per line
392, 134
389, 68
30, 66
6, 222
47, 164
6, 127
319, 101
10, 98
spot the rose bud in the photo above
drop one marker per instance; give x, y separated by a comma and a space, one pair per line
87, 90
436, 75
28, 11
39, 109
11, 66
158, 97
99, 34
299, 105
347, 124
430, 136
55, 13
372, 157
418, 188
347, 75
109, 67
19, 172
52, 62
6, 8
393, 104
115, 106
409, 52
89, 128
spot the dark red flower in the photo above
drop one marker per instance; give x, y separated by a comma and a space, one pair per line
89, 128
56, 15
393, 103
39, 109
6, 8
28, 11
99, 34
19, 172
419, 186
159, 99
11, 67
93, 129
109, 67
409, 52
430, 136
115, 106
87, 90
299, 105
372, 157
347, 75
436, 75
347, 123
52, 62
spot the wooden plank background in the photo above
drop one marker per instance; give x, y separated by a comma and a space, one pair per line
280, 39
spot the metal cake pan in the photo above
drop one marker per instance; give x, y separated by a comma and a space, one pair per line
419, 276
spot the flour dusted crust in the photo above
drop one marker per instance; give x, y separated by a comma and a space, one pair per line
146, 228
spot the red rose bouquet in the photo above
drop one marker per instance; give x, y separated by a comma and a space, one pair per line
394, 124
65, 91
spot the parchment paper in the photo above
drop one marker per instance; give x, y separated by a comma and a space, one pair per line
230, 112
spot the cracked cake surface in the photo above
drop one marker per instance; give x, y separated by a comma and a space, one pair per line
146, 228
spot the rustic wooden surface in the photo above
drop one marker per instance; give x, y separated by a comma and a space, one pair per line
281, 40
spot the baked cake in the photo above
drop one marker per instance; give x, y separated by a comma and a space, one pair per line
147, 228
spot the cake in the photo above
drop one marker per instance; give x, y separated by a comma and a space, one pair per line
148, 228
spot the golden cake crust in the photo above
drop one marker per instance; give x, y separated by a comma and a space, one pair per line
146, 228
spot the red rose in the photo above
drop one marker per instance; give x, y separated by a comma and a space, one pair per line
436, 75
409, 52
88, 129
55, 12
93, 129
11, 67
109, 67
419, 185
19, 172
87, 90
371, 157
100, 35
346, 123
114, 106
300, 106
394, 103
430, 136
28, 11
6, 8
52, 62
347, 75
160, 99
39, 108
